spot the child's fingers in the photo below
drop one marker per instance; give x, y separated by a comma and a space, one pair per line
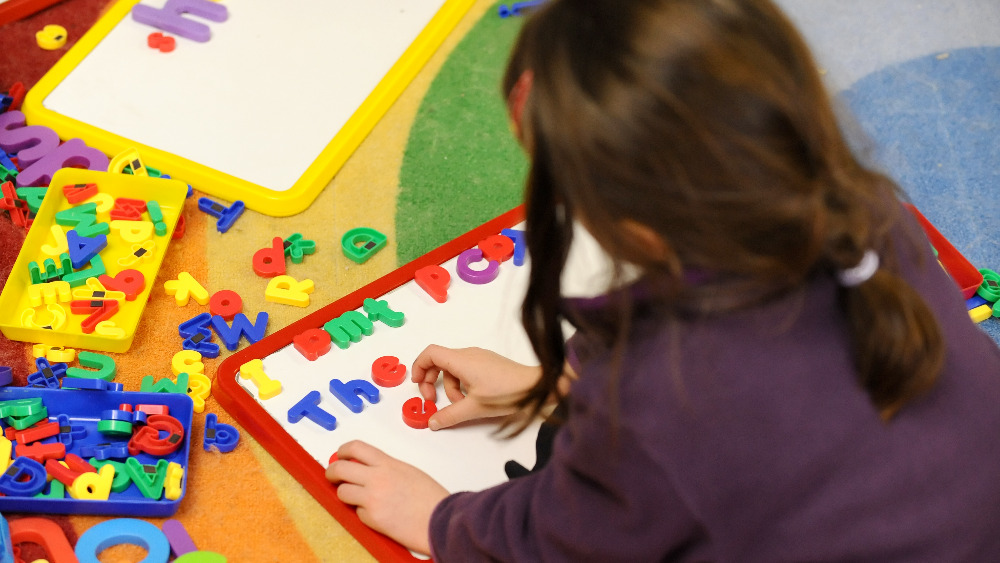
362, 452
351, 494
455, 413
453, 388
423, 364
347, 472
366, 518
426, 382
428, 391
430, 362
429, 375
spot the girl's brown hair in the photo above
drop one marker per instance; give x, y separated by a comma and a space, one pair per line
705, 122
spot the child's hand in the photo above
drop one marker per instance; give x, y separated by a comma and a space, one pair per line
392, 497
480, 383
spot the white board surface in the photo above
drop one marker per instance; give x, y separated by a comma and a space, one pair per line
468, 458
261, 99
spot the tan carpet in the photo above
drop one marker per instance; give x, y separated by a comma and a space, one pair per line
243, 504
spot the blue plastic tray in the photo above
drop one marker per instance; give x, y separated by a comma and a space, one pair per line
84, 409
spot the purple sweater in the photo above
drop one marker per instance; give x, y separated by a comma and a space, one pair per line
746, 438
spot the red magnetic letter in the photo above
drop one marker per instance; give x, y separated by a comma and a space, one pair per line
497, 247
129, 282
225, 303
434, 280
313, 343
388, 372
417, 411
270, 262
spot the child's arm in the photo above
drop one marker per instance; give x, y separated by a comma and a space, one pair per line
479, 383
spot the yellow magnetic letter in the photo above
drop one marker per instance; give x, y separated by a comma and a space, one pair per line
53, 353
173, 483
105, 203
185, 287
93, 486
199, 388
266, 387
133, 231
6, 448
289, 291
187, 361
61, 245
48, 293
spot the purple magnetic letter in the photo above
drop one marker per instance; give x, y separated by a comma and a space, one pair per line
29, 143
171, 17
465, 272
72, 153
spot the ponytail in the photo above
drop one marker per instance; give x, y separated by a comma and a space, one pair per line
898, 347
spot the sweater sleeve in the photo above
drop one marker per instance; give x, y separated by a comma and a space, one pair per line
602, 497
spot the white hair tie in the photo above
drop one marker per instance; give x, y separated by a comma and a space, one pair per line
866, 268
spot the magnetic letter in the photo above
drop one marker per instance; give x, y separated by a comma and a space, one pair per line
254, 371
434, 280
388, 372
270, 261
348, 328
308, 407
380, 311
498, 248
484, 276
313, 343
350, 393
417, 412
517, 236
171, 17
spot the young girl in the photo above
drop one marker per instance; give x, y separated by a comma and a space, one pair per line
791, 377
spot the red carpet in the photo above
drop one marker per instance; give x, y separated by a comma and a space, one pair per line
22, 60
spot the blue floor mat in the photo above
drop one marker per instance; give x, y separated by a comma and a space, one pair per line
935, 125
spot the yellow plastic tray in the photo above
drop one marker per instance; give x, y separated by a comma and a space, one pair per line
15, 299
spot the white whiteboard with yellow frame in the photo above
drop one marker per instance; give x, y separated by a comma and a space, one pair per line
266, 111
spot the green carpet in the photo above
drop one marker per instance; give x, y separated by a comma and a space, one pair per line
462, 165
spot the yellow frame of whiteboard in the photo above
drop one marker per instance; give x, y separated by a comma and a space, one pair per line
14, 298
226, 186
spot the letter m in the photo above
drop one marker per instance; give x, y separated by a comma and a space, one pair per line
348, 328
